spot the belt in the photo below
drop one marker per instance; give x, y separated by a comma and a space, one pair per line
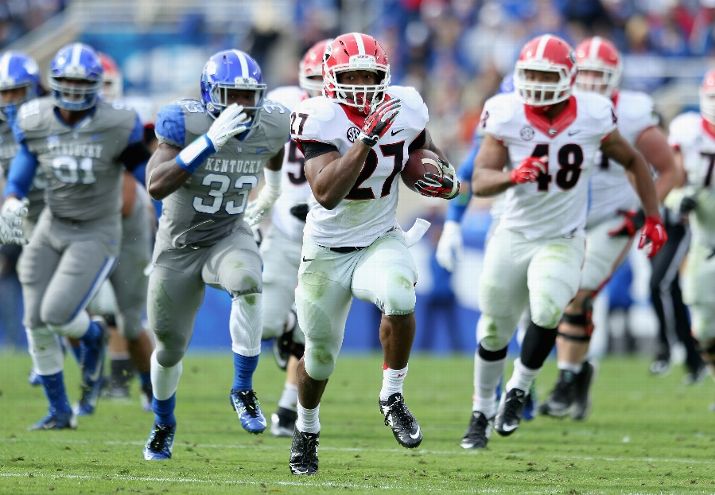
346, 249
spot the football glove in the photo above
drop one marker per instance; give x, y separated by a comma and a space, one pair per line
450, 245
529, 169
379, 121
10, 234
230, 122
256, 209
445, 185
654, 235
11, 216
632, 221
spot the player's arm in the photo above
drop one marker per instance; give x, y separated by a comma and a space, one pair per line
129, 194
270, 191
164, 175
330, 175
489, 177
653, 144
22, 171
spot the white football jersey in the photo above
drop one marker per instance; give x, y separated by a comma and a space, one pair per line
687, 133
610, 188
555, 205
368, 211
294, 185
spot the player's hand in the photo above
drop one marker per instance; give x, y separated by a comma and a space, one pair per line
450, 246
379, 121
687, 204
230, 122
632, 221
257, 234
653, 235
10, 234
444, 185
11, 216
529, 169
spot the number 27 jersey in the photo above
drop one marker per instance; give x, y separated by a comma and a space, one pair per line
556, 204
368, 211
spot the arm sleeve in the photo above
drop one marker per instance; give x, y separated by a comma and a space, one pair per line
136, 152
311, 149
22, 171
457, 208
170, 127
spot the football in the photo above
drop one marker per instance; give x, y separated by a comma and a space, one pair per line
420, 162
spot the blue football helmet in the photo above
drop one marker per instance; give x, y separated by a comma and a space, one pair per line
17, 70
231, 70
75, 63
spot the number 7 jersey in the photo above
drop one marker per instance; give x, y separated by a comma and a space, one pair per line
368, 211
556, 204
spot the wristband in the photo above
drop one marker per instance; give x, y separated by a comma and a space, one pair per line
196, 153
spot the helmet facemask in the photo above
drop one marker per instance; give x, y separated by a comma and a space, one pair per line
707, 104
539, 91
364, 97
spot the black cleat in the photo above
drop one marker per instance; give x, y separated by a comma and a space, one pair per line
511, 410
398, 417
160, 443
283, 343
478, 432
283, 422
582, 392
559, 402
304, 452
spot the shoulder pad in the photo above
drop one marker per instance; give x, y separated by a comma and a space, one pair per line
276, 127
684, 129
312, 120
272, 106
498, 111
170, 126
408, 95
190, 105
32, 114
596, 106
636, 105
319, 108
288, 96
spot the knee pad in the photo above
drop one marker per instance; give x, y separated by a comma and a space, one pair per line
546, 312
243, 282
46, 351
583, 319
399, 297
245, 325
494, 333
75, 328
319, 361
129, 323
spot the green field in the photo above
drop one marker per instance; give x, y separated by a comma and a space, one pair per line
645, 435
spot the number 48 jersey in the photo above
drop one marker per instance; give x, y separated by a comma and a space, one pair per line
368, 211
555, 205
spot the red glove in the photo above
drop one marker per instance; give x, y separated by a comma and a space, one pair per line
529, 169
438, 186
379, 121
654, 233
632, 221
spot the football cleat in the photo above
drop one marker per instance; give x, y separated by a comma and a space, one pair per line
398, 417
246, 405
56, 421
304, 453
92, 355
115, 391
160, 443
34, 379
511, 409
88, 399
695, 375
478, 432
531, 404
559, 402
660, 365
582, 392
283, 422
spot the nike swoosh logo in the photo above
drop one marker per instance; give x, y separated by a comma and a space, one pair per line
97, 373
305, 260
509, 427
576, 131
395, 131
416, 435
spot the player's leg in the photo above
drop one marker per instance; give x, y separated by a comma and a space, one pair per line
553, 278
386, 275
323, 300
234, 264
173, 298
502, 299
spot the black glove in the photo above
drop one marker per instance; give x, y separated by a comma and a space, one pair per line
300, 211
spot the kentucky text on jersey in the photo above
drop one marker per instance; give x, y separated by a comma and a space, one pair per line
71, 149
234, 166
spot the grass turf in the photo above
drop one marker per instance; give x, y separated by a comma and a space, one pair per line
645, 435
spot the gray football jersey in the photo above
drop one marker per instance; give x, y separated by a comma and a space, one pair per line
81, 163
208, 206
36, 195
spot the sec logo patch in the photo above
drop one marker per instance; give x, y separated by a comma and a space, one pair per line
527, 133
353, 133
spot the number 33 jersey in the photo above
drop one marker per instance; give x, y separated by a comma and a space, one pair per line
368, 211
207, 207
556, 204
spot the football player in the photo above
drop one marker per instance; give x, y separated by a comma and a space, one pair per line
613, 218
539, 145
80, 142
355, 140
280, 249
211, 152
693, 138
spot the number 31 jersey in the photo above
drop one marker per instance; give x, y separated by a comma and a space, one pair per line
207, 207
555, 205
368, 211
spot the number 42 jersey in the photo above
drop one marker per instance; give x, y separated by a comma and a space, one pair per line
368, 211
556, 204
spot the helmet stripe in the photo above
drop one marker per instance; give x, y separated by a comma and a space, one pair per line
541, 47
360, 44
5, 66
595, 46
76, 53
244, 63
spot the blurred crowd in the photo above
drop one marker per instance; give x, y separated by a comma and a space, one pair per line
18, 17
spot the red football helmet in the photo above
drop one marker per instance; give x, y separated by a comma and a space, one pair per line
353, 52
112, 82
598, 66
310, 69
707, 97
548, 54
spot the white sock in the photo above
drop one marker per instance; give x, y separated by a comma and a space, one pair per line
289, 397
164, 381
392, 381
522, 378
486, 379
308, 419
573, 367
